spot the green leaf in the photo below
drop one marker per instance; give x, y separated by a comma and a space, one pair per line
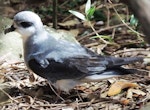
133, 20
87, 6
103, 37
78, 14
90, 13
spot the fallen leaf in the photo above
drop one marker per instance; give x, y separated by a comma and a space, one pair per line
125, 101
112, 80
84, 89
69, 23
147, 59
146, 107
103, 95
135, 91
68, 108
118, 86
129, 94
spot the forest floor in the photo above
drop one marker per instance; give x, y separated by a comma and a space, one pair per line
23, 90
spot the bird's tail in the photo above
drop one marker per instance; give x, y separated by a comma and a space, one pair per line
114, 70
114, 62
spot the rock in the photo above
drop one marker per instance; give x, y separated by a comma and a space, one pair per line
11, 47
10, 44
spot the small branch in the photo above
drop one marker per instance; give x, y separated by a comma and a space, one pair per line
98, 34
124, 21
100, 30
55, 4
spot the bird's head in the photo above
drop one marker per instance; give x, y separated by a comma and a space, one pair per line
26, 23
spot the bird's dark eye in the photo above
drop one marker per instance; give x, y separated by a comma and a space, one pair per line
25, 24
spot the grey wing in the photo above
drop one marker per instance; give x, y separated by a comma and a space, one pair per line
78, 67
99, 64
71, 68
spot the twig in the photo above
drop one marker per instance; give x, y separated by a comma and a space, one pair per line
124, 21
124, 51
55, 14
65, 19
113, 33
56, 92
8, 95
64, 3
91, 44
98, 34
108, 16
100, 30
29, 106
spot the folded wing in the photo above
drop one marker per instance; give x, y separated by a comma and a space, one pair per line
80, 66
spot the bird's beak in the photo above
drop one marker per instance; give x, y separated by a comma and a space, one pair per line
12, 28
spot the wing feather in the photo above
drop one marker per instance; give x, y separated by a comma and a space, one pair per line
78, 67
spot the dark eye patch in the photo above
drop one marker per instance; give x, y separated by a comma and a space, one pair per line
25, 24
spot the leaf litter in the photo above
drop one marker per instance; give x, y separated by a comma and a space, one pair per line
22, 89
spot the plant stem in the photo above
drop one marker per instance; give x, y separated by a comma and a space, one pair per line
97, 33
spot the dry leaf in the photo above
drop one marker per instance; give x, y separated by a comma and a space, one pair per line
103, 95
147, 59
87, 24
135, 91
125, 101
84, 89
146, 107
67, 108
129, 94
118, 86
69, 23
112, 80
